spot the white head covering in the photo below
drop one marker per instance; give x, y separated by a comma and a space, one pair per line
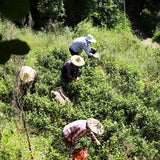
90, 38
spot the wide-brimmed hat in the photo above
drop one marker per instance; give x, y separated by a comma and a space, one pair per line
77, 60
27, 74
90, 38
95, 126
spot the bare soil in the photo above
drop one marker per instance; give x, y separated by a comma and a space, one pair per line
149, 42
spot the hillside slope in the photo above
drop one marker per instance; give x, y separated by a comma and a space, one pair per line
124, 96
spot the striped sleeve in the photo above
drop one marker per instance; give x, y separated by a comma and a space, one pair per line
91, 134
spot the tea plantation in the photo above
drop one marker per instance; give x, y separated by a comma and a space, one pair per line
123, 93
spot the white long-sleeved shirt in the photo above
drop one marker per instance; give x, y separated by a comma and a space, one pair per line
79, 44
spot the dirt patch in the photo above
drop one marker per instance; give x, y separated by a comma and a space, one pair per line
149, 42
144, 37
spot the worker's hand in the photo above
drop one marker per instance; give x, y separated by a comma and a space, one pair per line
93, 50
97, 143
73, 141
76, 79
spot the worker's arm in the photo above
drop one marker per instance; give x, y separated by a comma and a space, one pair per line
77, 134
91, 134
87, 50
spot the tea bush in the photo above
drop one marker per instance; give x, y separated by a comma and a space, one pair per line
156, 37
122, 92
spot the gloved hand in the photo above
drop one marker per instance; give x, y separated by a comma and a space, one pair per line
97, 143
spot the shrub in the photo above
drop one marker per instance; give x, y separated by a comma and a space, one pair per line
156, 37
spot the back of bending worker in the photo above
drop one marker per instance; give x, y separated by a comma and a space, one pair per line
79, 128
82, 43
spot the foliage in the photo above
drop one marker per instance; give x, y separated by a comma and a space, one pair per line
71, 12
144, 13
14, 11
146, 16
156, 37
50, 12
77, 11
122, 92
103, 13
106, 13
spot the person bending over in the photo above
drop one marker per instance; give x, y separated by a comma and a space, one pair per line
83, 43
79, 128
70, 70
28, 77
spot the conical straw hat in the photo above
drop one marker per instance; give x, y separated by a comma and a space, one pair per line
77, 60
27, 74
95, 126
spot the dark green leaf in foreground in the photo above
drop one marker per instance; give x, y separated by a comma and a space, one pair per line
12, 47
4, 57
14, 9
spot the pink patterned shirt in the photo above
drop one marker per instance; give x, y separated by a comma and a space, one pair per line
79, 44
77, 129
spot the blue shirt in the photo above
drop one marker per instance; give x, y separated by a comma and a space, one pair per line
79, 44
